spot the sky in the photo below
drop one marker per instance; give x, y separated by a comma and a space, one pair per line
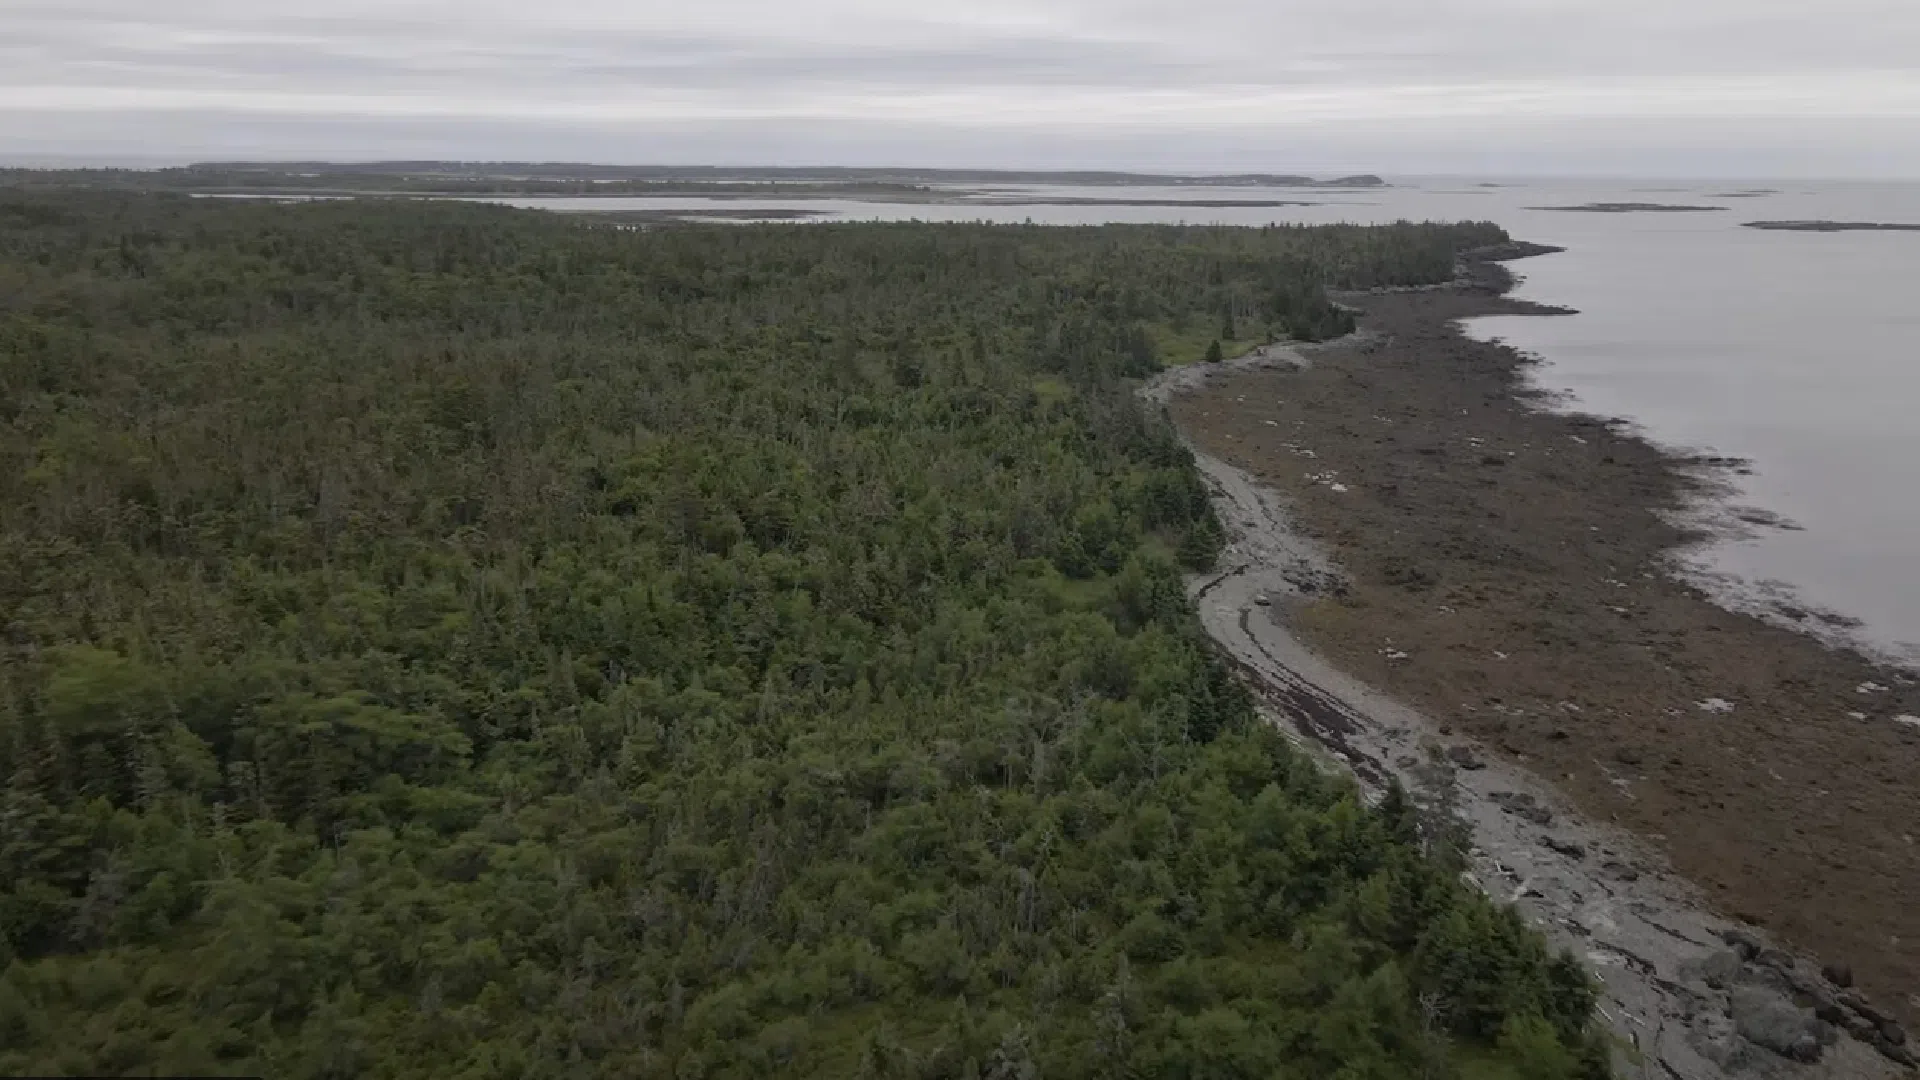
1495, 87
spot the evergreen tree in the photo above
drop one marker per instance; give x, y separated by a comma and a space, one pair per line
450, 640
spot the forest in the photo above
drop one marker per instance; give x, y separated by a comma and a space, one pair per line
443, 640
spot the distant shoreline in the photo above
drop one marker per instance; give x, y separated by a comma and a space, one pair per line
456, 179
939, 198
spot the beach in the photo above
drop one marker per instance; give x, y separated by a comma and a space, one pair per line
1444, 558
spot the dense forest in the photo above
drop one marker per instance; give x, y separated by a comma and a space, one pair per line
448, 641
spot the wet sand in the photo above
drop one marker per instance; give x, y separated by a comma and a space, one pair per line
1505, 572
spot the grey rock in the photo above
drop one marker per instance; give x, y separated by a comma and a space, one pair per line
1805, 1048
1858, 1002
1859, 1027
1894, 1051
1522, 806
1777, 959
1840, 975
1466, 757
1806, 984
1893, 1033
1569, 849
1620, 870
1719, 970
1770, 979
1827, 1009
1744, 943
1774, 1024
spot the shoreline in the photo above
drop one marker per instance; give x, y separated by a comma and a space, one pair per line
1711, 513
1588, 861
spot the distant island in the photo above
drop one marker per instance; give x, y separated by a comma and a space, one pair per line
1832, 226
1629, 208
697, 215
523, 171
1009, 200
427, 179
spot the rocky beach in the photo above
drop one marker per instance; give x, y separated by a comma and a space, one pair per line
1437, 579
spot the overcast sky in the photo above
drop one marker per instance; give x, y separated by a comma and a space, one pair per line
1649, 87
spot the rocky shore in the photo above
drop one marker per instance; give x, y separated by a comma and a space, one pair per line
1433, 580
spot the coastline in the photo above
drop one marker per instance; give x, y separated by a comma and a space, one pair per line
1414, 459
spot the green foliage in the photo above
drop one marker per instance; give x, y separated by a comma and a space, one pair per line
448, 641
1175, 347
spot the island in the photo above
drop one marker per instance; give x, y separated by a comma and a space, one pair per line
1833, 226
428, 179
1628, 208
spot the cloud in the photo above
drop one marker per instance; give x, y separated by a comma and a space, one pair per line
140, 76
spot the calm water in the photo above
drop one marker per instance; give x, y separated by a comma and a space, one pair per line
1795, 350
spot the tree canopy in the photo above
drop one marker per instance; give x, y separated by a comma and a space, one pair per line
443, 641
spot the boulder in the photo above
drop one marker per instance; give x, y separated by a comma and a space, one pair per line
1858, 1002
1465, 757
1719, 970
1859, 1027
1570, 850
1839, 975
1522, 806
1743, 943
1774, 1024
1772, 980
1893, 1033
1894, 1051
1805, 1048
1825, 1007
